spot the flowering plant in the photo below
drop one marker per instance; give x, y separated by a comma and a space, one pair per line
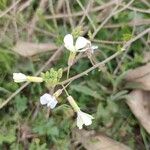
52, 79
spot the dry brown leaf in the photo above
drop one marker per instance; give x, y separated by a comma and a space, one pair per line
92, 141
139, 100
28, 49
139, 103
140, 75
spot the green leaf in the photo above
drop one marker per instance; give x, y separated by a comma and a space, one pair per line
36, 145
119, 95
7, 136
21, 103
46, 127
85, 90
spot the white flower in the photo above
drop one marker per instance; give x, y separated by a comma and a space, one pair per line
83, 118
93, 47
80, 44
49, 100
19, 77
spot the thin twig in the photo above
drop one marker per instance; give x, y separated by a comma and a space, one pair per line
16, 33
105, 21
114, 12
26, 26
92, 68
124, 55
107, 42
24, 6
69, 12
27, 83
53, 13
108, 59
124, 7
59, 5
9, 9
146, 3
35, 19
137, 22
86, 13
136, 37
3, 34
80, 13
147, 11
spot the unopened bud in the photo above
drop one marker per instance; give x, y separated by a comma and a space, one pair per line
58, 93
73, 103
34, 79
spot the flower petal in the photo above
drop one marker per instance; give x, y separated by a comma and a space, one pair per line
44, 99
68, 41
79, 122
94, 47
19, 77
83, 118
49, 100
52, 103
87, 119
81, 43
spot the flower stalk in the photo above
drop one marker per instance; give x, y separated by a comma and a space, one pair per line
71, 58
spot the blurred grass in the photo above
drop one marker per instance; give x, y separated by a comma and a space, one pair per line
101, 93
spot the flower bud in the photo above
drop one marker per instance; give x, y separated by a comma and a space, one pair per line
34, 79
19, 77
58, 93
73, 103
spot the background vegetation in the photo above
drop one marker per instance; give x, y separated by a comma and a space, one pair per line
101, 93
